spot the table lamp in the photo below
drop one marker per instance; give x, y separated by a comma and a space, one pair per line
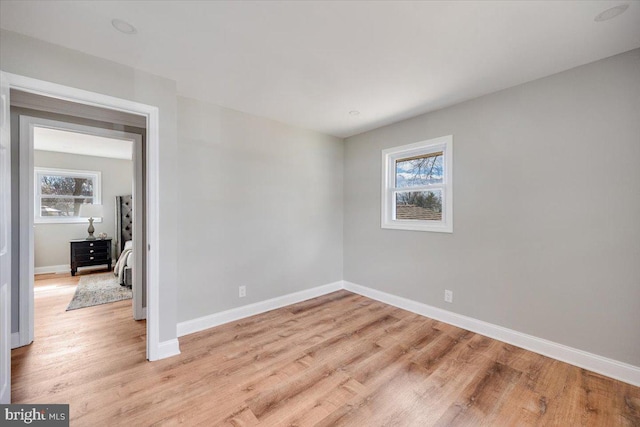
90, 211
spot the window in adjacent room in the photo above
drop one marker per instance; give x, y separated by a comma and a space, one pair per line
417, 192
59, 194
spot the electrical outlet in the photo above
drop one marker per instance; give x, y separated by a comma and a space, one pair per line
242, 291
448, 295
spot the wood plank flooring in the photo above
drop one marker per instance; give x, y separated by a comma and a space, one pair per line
337, 360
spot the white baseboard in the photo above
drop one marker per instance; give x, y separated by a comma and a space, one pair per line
168, 349
18, 340
592, 362
15, 340
216, 319
63, 268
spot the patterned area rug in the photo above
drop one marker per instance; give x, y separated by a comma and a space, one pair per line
98, 289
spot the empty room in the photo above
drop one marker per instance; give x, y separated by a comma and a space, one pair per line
319, 213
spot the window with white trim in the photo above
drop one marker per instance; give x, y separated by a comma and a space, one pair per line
417, 191
60, 192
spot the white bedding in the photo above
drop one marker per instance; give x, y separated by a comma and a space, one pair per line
125, 260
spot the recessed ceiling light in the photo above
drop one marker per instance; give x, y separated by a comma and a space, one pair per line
354, 112
123, 27
611, 12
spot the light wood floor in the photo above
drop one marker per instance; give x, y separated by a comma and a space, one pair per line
340, 359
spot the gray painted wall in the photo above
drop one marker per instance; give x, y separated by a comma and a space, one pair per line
51, 241
261, 206
546, 234
41, 60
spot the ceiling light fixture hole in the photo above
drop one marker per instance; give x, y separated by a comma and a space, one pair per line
123, 27
611, 12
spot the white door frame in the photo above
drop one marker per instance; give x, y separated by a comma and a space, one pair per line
27, 196
40, 87
137, 200
5, 244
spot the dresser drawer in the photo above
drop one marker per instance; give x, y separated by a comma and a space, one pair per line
90, 250
92, 257
92, 244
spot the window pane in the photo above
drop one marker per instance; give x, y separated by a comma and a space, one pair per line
420, 205
422, 170
62, 206
66, 185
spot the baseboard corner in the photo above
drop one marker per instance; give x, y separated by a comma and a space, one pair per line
168, 348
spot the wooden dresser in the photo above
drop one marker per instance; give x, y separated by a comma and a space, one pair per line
85, 253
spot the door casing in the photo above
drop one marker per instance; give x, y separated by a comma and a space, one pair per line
151, 113
27, 196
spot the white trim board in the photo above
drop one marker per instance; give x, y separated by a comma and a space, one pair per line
62, 268
592, 362
15, 340
216, 319
168, 348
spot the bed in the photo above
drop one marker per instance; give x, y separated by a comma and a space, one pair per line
124, 240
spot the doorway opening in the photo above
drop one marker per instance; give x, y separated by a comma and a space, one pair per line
106, 108
74, 167
51, 198
118, 119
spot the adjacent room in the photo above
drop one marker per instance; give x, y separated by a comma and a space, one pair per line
321, 213
71, 171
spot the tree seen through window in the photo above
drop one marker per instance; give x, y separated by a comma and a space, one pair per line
415, 172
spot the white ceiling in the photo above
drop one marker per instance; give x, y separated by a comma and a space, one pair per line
309, 63
46, 139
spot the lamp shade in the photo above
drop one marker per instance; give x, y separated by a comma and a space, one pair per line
90, 211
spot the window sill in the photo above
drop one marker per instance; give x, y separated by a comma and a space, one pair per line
65, 221
418, 226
